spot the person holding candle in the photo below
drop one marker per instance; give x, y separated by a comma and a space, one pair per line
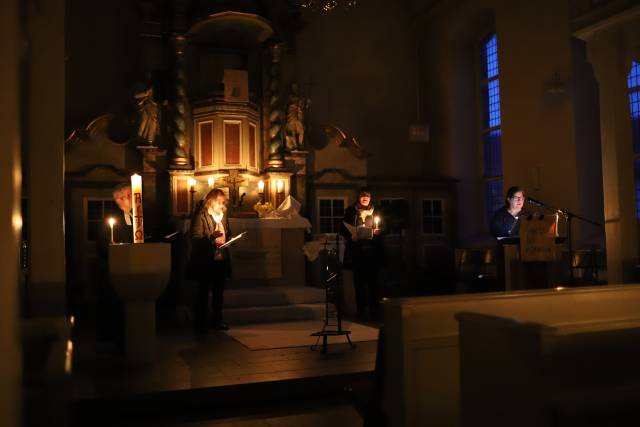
210, 265
364, 252
117, 228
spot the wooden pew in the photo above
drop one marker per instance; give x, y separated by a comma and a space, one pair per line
421, 369
516, 373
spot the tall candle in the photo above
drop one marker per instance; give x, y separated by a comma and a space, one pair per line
136, 195
280, 186
111, 222
376, 221
261, 186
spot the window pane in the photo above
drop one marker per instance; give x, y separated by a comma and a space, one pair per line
325, 225
110, 209
94, 210
338, 208
336, 225
426, 208
325, 207
491, 103
437, 208
490, 57
633, 79
634, 106
437, 225
493, 153
93, 230
427, 225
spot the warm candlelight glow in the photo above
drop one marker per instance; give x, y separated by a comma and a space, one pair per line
280, 186
112, 221
210, 181
192, 184
261, 186
136, 194
376, 221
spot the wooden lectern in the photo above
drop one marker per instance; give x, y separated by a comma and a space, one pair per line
534, 260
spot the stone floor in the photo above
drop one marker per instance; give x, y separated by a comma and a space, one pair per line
189, 373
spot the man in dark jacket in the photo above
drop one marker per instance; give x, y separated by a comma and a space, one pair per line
210, 265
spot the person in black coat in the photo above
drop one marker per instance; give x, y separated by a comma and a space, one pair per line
209, 265
363, 254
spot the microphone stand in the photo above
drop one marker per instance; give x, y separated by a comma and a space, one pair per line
568, 216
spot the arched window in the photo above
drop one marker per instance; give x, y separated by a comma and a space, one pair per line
491, 132
633, 83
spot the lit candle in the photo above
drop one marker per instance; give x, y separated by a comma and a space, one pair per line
192, 184
210, 181
280, 186
376, 221
261, 186
112, 221
136, 195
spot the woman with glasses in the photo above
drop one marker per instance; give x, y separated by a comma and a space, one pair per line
505, 222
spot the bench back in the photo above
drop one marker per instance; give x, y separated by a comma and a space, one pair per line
421, 348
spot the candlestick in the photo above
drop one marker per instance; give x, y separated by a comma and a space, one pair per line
279, 192
136, 195
112, 221
192, 189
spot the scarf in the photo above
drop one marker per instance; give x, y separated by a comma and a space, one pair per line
364, 213
217, 219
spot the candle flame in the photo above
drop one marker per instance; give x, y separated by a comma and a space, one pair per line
112, 221
280, 186
261, 186
192, 183
210, 181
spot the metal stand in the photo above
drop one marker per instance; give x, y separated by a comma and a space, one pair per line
568, 216
333, 293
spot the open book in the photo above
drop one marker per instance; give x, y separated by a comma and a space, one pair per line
233, 240
362, 232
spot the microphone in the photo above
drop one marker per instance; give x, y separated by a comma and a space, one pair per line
535, 202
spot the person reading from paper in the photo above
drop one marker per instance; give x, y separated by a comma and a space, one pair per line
364, 253
506, 221
210, 264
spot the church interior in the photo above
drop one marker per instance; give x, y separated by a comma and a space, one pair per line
292, 213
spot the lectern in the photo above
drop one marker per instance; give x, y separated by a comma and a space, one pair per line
519, 274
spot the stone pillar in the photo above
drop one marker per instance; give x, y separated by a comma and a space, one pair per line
296, 161
181, 157
45, 158
11, 41
154, 207
276, 114
611, 59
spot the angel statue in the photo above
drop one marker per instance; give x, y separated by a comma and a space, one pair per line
149, 127
294, 128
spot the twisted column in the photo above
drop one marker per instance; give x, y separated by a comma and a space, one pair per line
276, 116
181, 156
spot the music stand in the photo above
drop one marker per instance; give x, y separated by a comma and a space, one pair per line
333, 293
